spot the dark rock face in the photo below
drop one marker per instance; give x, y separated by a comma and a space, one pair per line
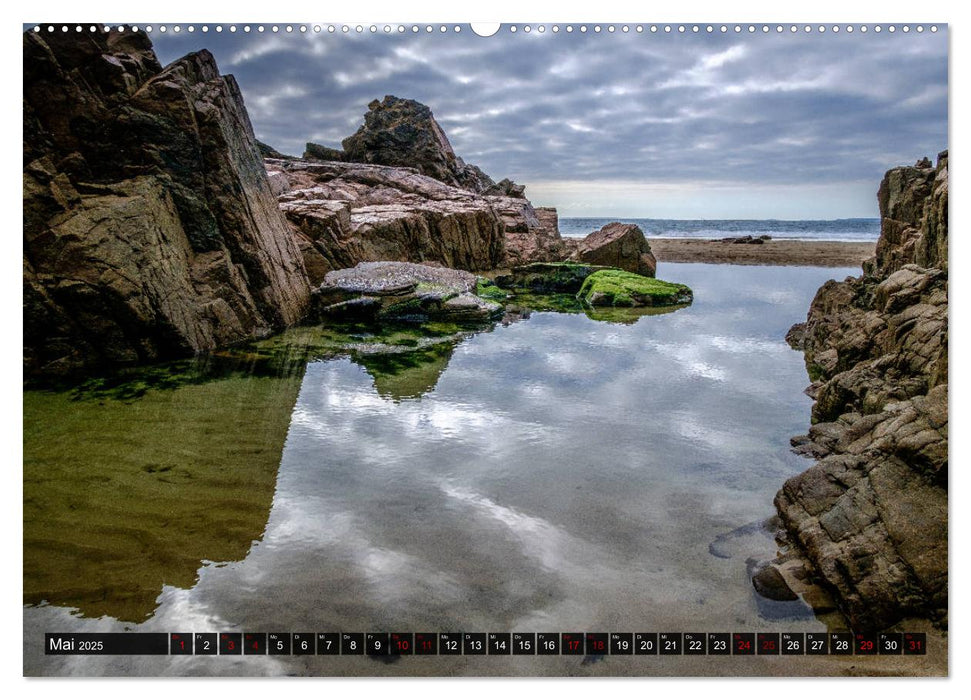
314, 151
618, 245
871, 514
547, 278
507, 188
345, 213
400, 132
267, 151
150, 229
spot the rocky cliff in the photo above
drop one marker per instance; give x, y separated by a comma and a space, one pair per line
871, 514
342, 214
401, 132
397, 191
150, 229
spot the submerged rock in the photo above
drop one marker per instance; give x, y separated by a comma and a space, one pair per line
618, 245
770, 583
871, 515
621, 288
404, 292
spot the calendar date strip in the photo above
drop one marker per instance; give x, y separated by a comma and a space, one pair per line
485, 643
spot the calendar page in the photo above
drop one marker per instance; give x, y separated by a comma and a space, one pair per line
523, 349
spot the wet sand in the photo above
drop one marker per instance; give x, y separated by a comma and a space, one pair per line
774, 252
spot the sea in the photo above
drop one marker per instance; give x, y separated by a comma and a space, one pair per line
857, 230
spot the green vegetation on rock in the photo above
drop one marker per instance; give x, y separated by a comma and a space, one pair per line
558, 277
620, 288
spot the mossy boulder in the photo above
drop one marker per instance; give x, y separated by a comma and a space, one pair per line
620, 288
548, 277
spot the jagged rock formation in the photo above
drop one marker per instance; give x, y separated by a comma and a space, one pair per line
618, 245
345, 213
871, 514
432, 201
401, 132
150, 230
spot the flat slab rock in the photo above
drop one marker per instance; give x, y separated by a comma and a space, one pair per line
403, 291
380, 278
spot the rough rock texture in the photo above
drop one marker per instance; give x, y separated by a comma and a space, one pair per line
618, 245
871, 514
402, 132
531, 234
404, 292
150, 229
345, 213
424, 217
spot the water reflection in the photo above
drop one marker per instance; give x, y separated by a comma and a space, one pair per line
559, 473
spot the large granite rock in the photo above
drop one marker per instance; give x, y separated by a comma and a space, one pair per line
397, 291
345, 213
871, 514
150, 229
618, 245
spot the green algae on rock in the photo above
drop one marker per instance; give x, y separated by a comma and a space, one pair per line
548, 277
621, 288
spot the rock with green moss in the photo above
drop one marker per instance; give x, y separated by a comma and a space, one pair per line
548, 277
621, 288
400, 291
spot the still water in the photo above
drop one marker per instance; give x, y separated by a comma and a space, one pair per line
557, 473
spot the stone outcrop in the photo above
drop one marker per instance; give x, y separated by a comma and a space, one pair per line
267, 151
150, 228
314, 151
345, 213
396, 291
397, 191
618, 245
871, 514
531, 234
401, 132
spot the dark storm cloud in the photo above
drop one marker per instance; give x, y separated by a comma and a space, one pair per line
766, 110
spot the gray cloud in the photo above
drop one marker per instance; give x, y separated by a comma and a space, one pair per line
758, 111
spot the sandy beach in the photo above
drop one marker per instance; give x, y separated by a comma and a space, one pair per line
773, 252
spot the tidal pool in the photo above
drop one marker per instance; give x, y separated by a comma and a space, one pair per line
559, 473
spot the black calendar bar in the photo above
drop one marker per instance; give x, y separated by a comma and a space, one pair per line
485, 643
106, 643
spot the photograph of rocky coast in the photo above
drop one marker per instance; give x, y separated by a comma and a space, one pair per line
285, 371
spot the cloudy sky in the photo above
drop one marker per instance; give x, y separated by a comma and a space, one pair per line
654, 125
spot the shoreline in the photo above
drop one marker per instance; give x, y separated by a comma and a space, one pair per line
774, 252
